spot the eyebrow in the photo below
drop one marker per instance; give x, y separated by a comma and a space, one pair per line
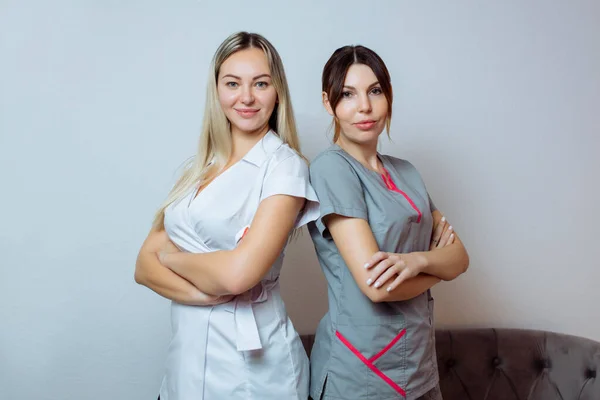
370, 86
238, 78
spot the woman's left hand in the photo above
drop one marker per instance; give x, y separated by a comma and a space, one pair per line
387, 265
168, 247
443, 235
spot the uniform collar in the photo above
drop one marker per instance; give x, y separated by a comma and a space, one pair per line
264, 148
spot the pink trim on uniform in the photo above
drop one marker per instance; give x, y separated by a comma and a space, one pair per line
245, 231
370, 364
389, 346
392, 186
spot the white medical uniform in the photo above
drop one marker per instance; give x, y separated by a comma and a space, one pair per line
247, 348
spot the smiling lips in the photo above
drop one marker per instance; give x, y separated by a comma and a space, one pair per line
365, 125
246, 112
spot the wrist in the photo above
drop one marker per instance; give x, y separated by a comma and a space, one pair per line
422, 261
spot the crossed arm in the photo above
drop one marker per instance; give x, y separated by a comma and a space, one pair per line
216, 276
385, 276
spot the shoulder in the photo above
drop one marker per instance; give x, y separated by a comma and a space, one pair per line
285, 152
400, 164
331, 158
406, 169
286, 160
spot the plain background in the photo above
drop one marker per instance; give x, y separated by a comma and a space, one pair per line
496, 103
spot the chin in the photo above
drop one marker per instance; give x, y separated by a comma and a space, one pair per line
248, 125
366, 137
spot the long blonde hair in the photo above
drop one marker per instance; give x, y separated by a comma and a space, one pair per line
215, 145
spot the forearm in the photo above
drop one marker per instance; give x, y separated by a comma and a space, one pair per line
407, 290
446, 263
152, 274
211, 273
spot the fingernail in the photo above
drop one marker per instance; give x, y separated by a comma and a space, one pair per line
369, 281
452, 236
377, 284
443, 219
450, 228
366, 265
389, 289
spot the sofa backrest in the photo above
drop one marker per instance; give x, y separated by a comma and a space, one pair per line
513, 364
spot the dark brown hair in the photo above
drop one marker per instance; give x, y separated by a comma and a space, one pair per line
336, 68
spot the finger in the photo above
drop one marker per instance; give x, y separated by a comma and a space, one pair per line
223, 299
445, 237
451, 240
405, 274
394, 284
381, 268
441, 240
389, 274
161, 256
437, 234
377, 257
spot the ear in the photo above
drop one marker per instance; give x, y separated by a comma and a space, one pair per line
327, 105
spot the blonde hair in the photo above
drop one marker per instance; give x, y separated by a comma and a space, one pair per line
215, 145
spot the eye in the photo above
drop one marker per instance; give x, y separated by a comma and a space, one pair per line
376, 91
346, 95
232, 85
262, 85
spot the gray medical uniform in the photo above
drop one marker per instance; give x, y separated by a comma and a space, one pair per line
366, 350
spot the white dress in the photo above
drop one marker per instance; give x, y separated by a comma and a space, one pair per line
247, 348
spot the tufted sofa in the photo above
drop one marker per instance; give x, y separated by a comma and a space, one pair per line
512, 364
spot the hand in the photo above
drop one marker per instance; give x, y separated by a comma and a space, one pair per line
443, 235
386, 265
203, 299
168, 247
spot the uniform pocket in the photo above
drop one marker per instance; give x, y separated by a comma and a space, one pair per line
369, 358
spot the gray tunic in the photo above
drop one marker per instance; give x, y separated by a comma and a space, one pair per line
366, 350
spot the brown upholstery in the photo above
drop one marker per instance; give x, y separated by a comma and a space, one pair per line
511, 364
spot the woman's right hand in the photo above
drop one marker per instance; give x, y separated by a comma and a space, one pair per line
443, 235
203, 299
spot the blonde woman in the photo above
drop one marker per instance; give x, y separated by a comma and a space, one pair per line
216, 246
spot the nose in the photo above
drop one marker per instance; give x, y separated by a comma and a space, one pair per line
364, 104
247, 95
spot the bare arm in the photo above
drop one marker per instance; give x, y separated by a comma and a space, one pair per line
152, 274
447, 262
238, 270
356, 243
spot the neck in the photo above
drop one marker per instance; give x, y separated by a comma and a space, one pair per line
242, 142
365, 153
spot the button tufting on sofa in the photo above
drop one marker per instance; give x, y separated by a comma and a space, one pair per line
543, 364
590, 374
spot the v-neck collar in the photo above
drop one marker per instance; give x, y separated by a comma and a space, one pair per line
256, 156
263, 148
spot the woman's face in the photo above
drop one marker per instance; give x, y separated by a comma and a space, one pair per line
245, 90
362, 110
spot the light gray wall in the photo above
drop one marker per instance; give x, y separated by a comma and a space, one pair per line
497, 104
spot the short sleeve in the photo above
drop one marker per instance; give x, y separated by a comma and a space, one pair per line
432, 206
338, 188
291, 177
